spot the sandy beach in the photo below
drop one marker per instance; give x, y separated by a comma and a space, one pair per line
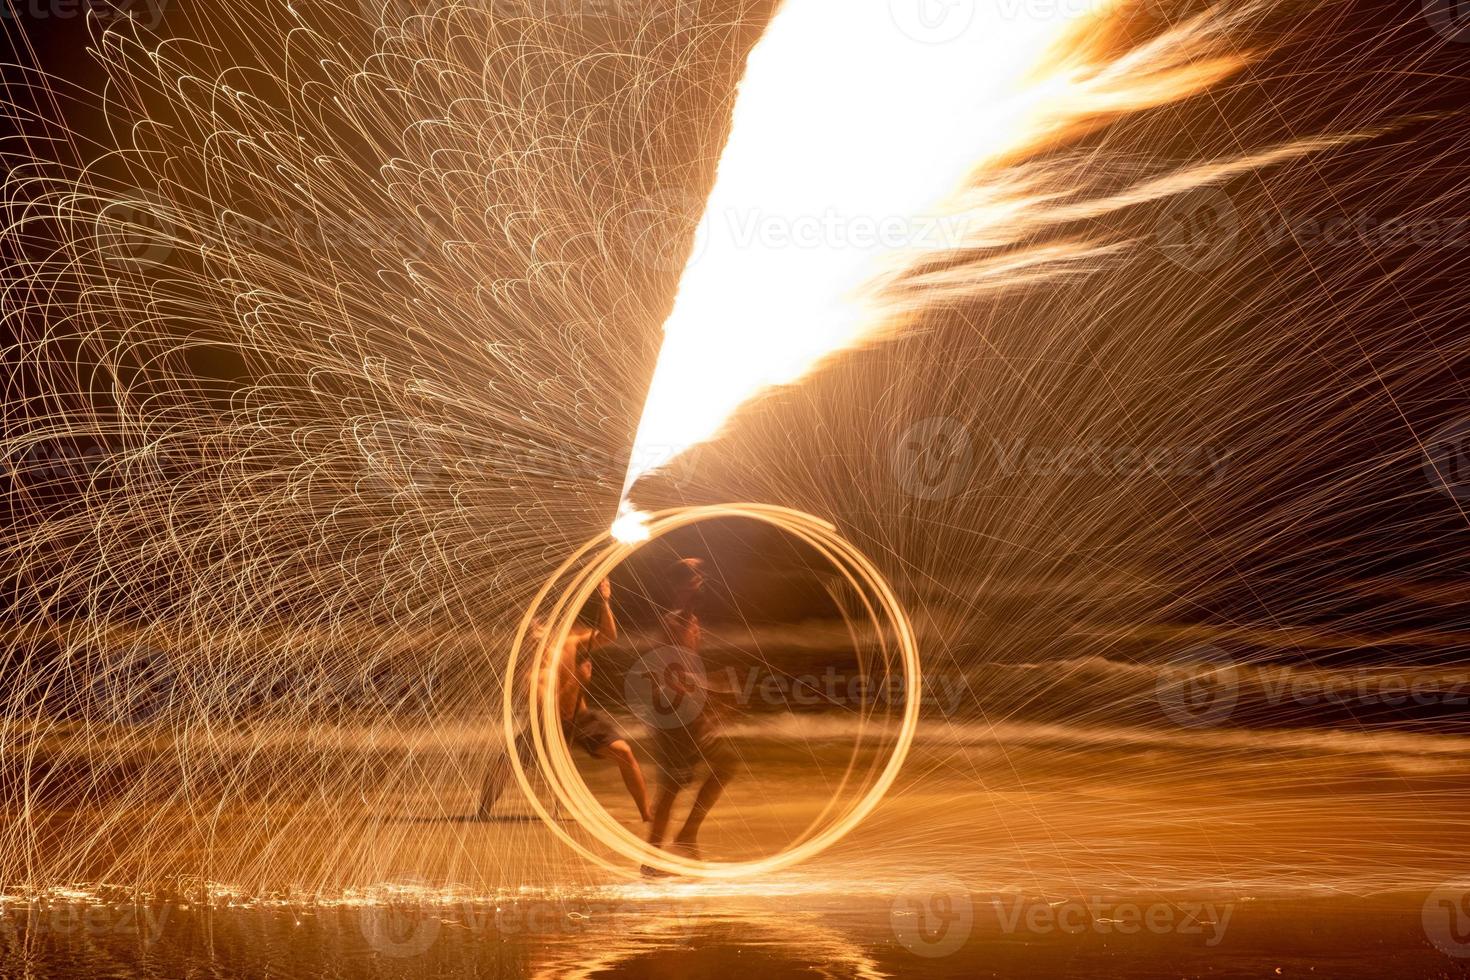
1017, 851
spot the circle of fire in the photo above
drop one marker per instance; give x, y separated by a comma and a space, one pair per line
583, 571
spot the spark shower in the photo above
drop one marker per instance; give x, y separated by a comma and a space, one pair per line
1123, 341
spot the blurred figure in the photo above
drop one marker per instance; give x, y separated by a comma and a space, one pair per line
691, 736
583, 726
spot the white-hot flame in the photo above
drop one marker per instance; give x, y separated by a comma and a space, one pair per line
850, 129
855, 130
631, 526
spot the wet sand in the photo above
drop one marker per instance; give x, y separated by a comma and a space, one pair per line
1038, 808
676, 933
1008, 851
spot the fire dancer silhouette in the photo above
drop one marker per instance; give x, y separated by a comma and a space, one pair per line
584, 726
688, 734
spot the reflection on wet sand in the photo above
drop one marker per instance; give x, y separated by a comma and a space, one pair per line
752, 943
402, 933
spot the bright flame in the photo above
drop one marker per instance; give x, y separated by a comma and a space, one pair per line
854, 127
631, 525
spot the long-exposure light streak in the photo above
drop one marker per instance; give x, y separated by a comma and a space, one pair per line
853, 139
572, 586
330, 326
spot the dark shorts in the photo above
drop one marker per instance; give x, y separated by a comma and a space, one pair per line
680, 752
590, 730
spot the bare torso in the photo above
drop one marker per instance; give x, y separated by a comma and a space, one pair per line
573, 670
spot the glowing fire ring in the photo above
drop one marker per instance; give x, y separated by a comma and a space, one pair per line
582, 572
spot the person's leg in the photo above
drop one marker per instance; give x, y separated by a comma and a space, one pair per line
708, 796
620, 752
658, 826
496, 779
499, 775
663, 809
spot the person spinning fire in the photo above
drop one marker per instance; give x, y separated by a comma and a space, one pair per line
583, 726
689, 735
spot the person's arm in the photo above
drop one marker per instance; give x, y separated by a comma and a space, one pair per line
584, 666
606, 630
